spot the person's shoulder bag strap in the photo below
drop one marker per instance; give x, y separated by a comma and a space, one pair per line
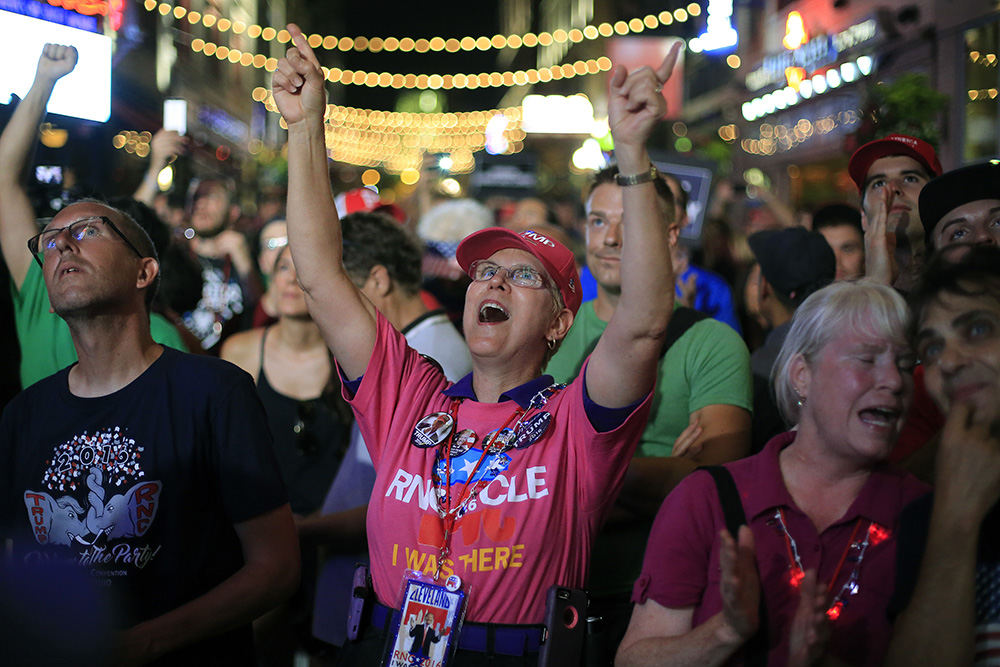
755, 650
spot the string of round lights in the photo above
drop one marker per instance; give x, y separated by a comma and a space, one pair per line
397, 141
984, 59
417, 81
424, 45
400, 122
982, 94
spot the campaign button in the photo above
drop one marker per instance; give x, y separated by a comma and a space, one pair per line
532, 429
432, 430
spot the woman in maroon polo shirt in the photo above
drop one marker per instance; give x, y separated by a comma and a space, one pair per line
812, 572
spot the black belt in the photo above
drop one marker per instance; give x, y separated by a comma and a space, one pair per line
493, 638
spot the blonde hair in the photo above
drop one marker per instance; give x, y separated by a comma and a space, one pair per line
862, 305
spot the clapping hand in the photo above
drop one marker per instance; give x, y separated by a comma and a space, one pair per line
810, 629
740, 583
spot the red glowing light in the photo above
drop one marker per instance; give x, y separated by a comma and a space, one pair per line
113, 9
877, 533
833, 613
795, 578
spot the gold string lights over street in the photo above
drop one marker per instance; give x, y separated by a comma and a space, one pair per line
418, 81
423, 45
397, 141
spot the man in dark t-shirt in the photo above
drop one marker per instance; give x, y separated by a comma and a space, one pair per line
149, 468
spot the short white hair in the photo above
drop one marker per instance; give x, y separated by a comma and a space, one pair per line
452, 221
845, 306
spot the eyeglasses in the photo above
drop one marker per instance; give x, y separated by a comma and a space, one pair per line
276, 242
84, 229
521, 275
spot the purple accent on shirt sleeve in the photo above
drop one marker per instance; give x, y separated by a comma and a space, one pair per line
350, 386
606, 419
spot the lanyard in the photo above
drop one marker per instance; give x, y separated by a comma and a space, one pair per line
873, 534
449, 514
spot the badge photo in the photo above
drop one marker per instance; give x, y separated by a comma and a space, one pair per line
432, 430
464, 440
499, 441
430, 620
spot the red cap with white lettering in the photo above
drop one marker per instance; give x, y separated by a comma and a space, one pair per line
557, 259
894, 144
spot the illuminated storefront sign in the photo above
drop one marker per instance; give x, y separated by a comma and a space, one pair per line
795, 31
112, 9
83, 93
719, 32
80, 14
814, 54
50, 13
557, 114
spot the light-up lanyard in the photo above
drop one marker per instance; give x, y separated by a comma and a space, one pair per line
449, 514
873, 534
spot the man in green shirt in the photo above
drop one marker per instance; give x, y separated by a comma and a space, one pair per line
701, 405
45, 340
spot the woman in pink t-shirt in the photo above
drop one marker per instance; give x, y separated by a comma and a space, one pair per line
520, 304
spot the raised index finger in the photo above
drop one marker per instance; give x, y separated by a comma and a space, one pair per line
666, 68
302, 44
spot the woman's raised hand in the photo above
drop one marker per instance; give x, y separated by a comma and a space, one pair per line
298, 82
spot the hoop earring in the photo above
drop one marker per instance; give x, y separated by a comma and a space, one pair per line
550, 343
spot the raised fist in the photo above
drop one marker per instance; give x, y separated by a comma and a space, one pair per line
56, 62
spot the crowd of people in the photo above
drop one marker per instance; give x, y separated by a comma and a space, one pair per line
498, 435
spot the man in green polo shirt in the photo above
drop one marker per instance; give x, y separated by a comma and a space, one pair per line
701, 405
44, 337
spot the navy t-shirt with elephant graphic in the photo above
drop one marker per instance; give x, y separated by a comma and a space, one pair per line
141, 487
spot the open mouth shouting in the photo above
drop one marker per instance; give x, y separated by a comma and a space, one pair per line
491, 312
881, 416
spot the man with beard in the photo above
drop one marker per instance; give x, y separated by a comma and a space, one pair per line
890, 173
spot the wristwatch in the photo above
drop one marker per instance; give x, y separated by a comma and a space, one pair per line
636, 179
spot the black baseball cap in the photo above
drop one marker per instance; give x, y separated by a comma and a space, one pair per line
795, 261
956, 188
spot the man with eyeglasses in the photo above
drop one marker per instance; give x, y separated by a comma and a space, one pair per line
701, 404
44, 338
150, 468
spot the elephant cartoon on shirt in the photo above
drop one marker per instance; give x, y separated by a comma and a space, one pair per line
128, 514
54, 520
